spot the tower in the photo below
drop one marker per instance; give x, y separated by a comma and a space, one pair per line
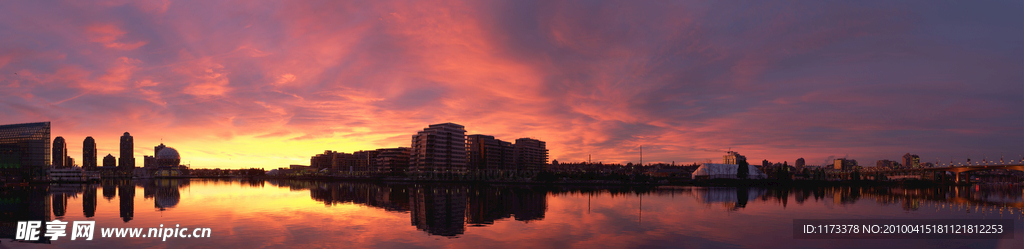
60, 152
89, 154
127, 156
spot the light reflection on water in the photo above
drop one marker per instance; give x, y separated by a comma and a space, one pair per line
291, 213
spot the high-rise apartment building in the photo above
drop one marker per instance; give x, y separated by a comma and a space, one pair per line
60, 152
531, 154
439, 147
911, 161
392, 159
484, 152
89, 154
732, 157
127, 157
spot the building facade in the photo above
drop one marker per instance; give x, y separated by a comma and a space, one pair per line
887, 164
844, 164
392, 159
911, 161
89, 154
484, 152
732, 157
109, 161
531, 154
379, 160
24, 151
60, 153
127, 157
439, 147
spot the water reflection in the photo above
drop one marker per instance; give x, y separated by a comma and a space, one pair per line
455, 210
23, 203
446, 209
126, 196
89, 202
166, 193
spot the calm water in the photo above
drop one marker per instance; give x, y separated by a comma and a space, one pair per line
331, 214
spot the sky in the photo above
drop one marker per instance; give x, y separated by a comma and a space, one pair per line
241, 84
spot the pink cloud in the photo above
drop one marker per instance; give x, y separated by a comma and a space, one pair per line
110, 35
684, 80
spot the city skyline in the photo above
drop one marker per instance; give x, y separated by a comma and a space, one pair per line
275, 83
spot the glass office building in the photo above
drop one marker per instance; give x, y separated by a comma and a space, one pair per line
24, 151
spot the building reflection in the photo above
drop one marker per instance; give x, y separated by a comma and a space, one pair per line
59, 195
165, 192
109, 189
729, 197
438, 209
488, 204
21, 204
126, 195
454, 209
60, 204
89, 201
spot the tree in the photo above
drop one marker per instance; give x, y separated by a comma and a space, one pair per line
744, 169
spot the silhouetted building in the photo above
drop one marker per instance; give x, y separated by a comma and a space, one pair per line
322, 161
392, 159
109, 161
168, 157
24, 151
439, 147
363, 160
156, 149
333, 160
60, 153
127, 157
911, 161
89, 154
531, 154
484, 152
69, 162
886, 164
844, 164
799, 164
148, 161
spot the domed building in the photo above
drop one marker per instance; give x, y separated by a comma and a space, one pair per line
168, 163
168, 157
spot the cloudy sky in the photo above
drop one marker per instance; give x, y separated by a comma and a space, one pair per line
267, 84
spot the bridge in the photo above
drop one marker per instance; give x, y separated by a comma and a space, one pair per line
956, 170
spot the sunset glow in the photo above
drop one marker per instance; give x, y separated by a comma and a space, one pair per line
267, 84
